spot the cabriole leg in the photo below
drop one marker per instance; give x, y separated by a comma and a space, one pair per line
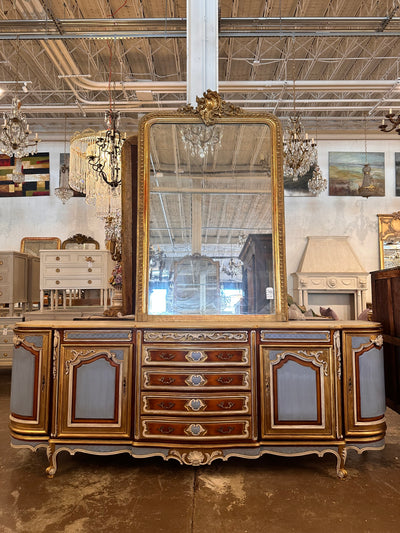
51, 455
340, 469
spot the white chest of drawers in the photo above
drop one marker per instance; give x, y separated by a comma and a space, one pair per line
13, 279
74, 269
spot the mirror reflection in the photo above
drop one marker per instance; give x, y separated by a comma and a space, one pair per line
389, 240
210, 219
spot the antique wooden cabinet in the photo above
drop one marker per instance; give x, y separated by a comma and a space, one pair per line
204, 365
195, 394
385, 300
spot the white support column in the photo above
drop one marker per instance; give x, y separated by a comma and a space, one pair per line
202, 47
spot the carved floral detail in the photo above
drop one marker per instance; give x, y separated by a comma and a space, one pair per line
210, 107
313, 357
377, 340
195, 457
195, 336
85, 356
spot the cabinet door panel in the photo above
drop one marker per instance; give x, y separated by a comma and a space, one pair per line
364, 390
94, 391
297, 392
30, 383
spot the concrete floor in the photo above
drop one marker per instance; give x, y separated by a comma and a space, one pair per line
270, 495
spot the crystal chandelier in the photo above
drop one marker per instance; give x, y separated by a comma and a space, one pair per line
17, 174
14, 136
106, 161
299, 151
233, 269
113, 234
64, 191
200, 140
317, 183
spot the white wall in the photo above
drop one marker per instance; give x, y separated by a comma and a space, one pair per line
47, 216
305, 216
342, 215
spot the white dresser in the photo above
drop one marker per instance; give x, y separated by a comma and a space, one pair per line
66, 270
13, 279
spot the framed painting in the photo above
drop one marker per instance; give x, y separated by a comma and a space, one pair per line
346, 172
397, 170
36, 170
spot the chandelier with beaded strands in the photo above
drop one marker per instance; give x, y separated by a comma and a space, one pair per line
64, 191
15, 138
317, 183
299, 151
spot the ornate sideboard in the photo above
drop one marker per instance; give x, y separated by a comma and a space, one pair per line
196, 394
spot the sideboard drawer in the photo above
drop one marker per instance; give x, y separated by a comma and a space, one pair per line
195, 429
167, 355
179, 379
201, 404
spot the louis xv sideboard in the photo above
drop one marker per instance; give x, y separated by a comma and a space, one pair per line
206, 365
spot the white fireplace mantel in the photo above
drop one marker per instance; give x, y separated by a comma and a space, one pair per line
329, 265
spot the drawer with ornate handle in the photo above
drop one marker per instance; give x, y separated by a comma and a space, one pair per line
195, 429
201, 404
159, 379
189, 355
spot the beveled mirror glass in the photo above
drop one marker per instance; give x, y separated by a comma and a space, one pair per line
210, 209
389, 240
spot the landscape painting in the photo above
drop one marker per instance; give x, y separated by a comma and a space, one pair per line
346, 172
36, 172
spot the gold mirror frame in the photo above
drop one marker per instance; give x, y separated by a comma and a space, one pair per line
389, 230
211, 109
32, 245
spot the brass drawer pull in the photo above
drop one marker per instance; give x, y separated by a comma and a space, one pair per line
166, 430
89, 281
225, 380
5, 340
167, 356
58, 282
225, 430
57, 258
166, 380
1, 262
5, 354
89, 270
1, 278
57, 270
226, 405
225, 356
1, 293
89, 259
166, 405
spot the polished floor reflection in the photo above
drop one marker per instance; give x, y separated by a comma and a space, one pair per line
269, 495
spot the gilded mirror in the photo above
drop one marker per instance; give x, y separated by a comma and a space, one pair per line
389, 240
210, 214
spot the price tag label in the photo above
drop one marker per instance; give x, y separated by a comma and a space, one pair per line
269, 293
